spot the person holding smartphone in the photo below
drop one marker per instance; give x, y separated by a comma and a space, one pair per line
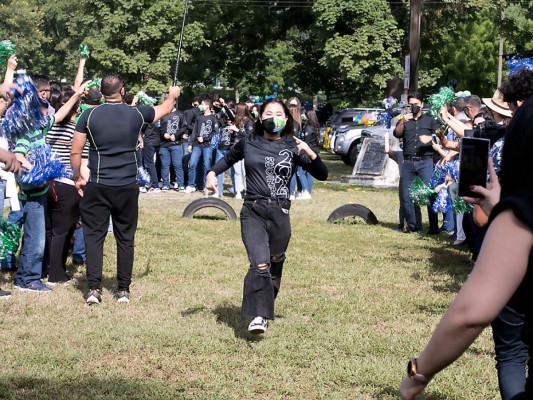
416, 130
503, 273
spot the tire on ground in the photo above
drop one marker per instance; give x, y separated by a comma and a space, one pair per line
353, 210
209, 202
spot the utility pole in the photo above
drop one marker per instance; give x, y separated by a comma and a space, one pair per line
414, 43
500, 52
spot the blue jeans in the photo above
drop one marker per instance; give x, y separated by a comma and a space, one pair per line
220, 178
149, 164
301, 177
33, 240
448, 222
511, 353
310, 181
206, 153
423, 169
78, 250
292, 185
174, 155
2, 195
15, 217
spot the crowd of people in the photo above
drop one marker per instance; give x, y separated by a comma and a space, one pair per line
178, 150
102, 136
498, 230
104, 139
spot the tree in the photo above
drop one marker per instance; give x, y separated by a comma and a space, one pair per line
22, 24
364, 56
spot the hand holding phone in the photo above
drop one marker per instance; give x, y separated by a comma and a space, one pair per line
474, 155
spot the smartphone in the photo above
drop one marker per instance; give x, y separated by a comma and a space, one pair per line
473, 164
434, 138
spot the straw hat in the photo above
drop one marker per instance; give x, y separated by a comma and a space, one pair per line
497, 104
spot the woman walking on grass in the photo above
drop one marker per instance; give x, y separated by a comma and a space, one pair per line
270, 155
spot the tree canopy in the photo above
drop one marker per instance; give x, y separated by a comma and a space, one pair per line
348, 50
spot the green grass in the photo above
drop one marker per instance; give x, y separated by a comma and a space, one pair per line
357, 301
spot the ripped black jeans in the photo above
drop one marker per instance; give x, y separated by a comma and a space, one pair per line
266, 231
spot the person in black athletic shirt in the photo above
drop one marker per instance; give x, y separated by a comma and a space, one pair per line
112, 190
270, 155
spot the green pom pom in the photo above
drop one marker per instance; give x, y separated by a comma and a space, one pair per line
437, 101
461, 206
420, 192
9, 238
7, 49
96, 82
84, 51
146, 100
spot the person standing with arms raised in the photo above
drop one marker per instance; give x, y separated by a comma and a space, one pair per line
112, 190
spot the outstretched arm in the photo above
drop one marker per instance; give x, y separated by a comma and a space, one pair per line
10, 70
78, 79
168, 105
499, 270
65, 109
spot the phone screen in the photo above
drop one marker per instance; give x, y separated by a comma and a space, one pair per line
474, 157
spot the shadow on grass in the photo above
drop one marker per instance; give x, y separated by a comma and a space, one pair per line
108, 282
230, 315
25, 387
451, 262
211, 217
192, 311
395, 392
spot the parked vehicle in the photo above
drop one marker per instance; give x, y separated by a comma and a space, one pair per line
346, 139
352, 120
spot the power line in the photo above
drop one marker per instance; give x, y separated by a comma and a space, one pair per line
310, 3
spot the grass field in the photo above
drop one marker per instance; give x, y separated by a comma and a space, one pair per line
356, 302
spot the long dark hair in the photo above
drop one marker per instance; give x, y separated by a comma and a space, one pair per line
312, 119
241, 113
289, 127
66, 94
515, 175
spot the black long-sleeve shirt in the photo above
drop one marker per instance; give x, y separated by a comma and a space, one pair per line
269, 165
190, 116
310, 136
205, 127
246, 129
173, 124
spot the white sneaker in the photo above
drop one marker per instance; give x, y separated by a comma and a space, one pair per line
190, 189
304, 195
142, 189
238, 196
291, 197
258, 325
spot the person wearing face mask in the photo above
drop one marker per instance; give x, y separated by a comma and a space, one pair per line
270, 154
416, 130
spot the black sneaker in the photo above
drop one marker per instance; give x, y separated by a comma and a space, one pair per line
4, 294
123, 296
94, 296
